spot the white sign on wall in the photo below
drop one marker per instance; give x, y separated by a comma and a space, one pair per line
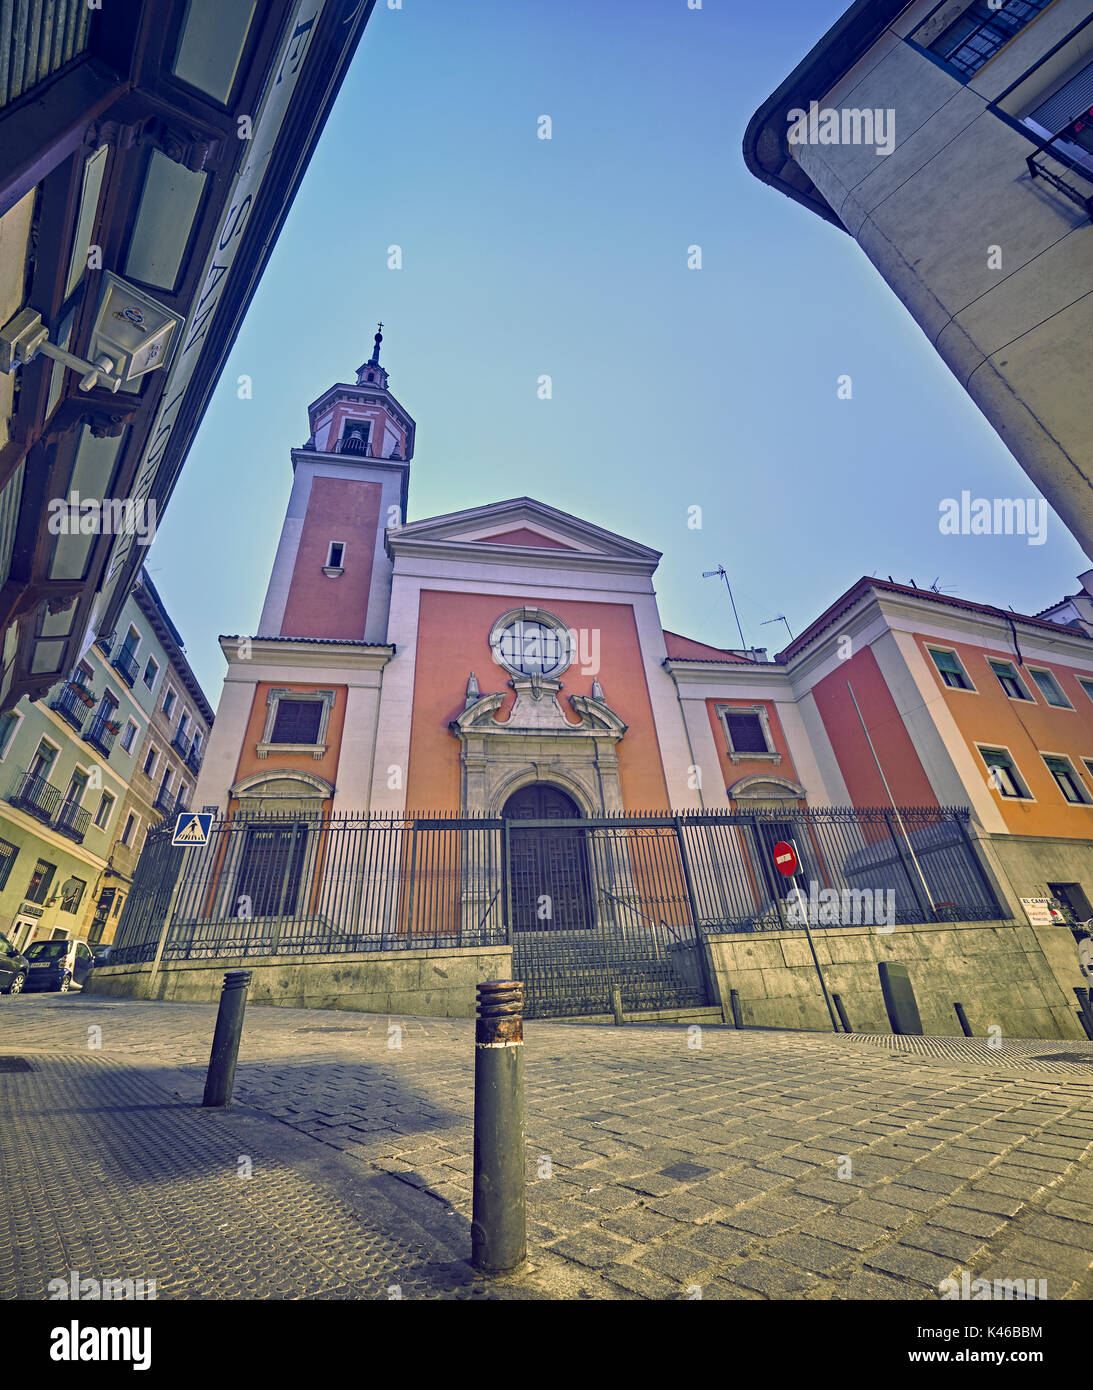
1039, 912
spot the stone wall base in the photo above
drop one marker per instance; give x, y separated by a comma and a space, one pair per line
1007, 975
431, 983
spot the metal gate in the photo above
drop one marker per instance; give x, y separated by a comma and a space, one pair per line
596, 906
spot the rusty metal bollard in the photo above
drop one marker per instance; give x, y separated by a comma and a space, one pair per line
220, 1078
499, 1214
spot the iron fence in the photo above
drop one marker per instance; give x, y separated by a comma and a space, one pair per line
627, 886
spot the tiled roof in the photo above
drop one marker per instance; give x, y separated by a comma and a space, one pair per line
313, 641
848, 599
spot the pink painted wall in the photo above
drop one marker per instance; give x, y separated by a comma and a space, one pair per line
339, 509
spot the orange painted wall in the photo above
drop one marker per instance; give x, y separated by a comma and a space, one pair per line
989, 716
732, 772
906, 775
453, 640
326, 767
339, 509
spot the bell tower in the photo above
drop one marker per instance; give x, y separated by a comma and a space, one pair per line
332, 576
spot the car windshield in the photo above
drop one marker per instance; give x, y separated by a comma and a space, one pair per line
53, 950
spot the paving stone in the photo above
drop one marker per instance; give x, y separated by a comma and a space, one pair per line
678, 1262
637, 1224
642, 1282
958, 1245
770, 1277
592, 1248
906, 1262
844, 1230
805, 1252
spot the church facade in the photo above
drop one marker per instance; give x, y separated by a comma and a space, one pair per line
510, 659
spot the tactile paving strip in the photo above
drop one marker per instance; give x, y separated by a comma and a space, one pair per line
1057, 1056
106, 1174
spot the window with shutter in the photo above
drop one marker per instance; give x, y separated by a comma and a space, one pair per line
746, 733
297, 721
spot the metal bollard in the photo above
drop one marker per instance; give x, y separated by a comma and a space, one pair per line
616, 1004
499, 1213
962, 1019
220, 1079
836, 999
734, 1004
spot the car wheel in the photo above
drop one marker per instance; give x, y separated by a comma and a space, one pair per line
16, 986
66, 984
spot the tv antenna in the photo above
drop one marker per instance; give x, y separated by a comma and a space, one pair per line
711, 574
779, 618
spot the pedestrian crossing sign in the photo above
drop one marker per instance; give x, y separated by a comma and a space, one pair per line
192, 828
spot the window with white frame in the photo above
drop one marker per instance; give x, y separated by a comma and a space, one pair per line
151, 671
105, 810
1087, 686
169, 701
150, 760
129, 834
1003, 775
949, 668
335, 558
296, 722
1049, 687
747, 733
129, 734
1009, 680
1066, 778
10, 721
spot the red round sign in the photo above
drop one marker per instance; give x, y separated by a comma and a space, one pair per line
785, 858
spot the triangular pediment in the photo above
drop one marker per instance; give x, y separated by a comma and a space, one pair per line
523, 523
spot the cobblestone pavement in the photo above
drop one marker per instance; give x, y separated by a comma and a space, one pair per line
662, 1163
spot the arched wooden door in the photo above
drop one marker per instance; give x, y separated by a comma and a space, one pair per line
548, 864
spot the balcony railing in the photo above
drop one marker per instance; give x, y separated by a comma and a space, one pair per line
193, 757
125, 663
1074, 182
180, 743
72, 820
165, 802
101, 733
72, 702
35, 795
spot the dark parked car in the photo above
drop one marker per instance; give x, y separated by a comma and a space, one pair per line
58, 965
13, 968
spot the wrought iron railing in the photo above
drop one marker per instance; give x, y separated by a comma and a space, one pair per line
125, 663
73, 702
193, 757
72, 820
180, 743
1074, 183
35, 795
165, 801
102, 731
293, 883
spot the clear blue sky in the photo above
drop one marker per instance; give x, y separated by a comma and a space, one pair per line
672, 388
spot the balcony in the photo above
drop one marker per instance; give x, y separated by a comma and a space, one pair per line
165, 802
125, 663
72, 821
72, 703
37, 796
101, 733
180, 743
193, 757
1072, 180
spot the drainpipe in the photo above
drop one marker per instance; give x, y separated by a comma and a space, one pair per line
686, 730
892, 799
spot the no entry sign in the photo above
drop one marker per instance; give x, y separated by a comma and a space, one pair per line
785, 858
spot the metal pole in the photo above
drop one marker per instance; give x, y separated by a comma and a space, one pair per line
812, 945
892, 799
167, 919
616, 1004
220, 1078
499, 1212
